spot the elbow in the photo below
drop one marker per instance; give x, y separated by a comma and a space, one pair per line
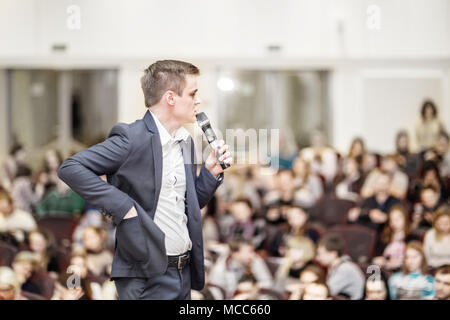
63, 170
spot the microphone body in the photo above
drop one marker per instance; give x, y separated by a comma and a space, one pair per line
204, 123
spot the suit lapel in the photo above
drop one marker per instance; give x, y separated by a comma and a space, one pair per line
156, 150
190, 184
158, 162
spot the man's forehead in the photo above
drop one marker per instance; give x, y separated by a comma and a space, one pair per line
191, 82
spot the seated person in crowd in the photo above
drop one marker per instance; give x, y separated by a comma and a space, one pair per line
376, 287
98, 259
391, 247
442, 283
316, 291
283, 193
275, 221
298, 251
9, 285
373, 211
323, 162
311, 273
413, 282
440, 154
399, 181
14, 220
233, 261
349, 184
81, 284
429, 175
42, 244
61, 201
297, 227
407, 162
424, 210
244, 225
308, 186
436, 244
24, 197
344, 277
29, 276
247, 288
367, 161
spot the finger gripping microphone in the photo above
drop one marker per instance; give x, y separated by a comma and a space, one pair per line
204, 123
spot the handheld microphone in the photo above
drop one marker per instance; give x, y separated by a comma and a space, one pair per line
204, 123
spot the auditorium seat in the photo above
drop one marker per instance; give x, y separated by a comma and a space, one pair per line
7, 254
360, 241
61, 227
331, 211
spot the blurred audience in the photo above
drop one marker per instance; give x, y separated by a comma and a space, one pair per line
262, 236
413, 282
344, 277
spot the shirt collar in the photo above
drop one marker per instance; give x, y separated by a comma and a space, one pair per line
180, 134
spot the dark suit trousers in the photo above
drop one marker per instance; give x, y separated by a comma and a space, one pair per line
173, 285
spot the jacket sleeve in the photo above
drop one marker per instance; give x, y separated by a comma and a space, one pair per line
205, 183
81, 172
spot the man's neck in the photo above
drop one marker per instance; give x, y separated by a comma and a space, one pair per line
166, 119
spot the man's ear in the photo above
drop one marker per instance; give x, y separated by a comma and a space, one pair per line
169, 98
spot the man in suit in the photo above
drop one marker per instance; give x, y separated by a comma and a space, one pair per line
153, 192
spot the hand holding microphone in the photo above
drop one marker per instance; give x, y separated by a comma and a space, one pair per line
219, 158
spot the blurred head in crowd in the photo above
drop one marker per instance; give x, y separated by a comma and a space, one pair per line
242, 251
52, 160
93, 239
247, 287
442, 283
78, 264
296, 217
285, 181
376, 289
301, 168
389, 164
429, 110
9, 284
357, 148
25, 262
443, 143
415, 261
330, 249
172, 86
429, 174
310, 274
19, 154
402, 142
38, 241
274, 214
351, 167
382, 183
398, 221
316, 291
242, 209
441, 222
6, 203
429, 196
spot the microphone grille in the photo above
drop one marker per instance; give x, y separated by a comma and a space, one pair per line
202, 119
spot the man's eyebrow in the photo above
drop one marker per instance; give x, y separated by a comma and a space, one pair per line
194, 91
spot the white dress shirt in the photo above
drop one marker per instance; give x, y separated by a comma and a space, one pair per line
170, 214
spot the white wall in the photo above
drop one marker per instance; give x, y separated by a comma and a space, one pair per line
410, 53
232, 28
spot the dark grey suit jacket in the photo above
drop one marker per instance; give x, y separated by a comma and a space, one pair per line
131, 158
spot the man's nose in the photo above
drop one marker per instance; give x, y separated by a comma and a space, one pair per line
198, 101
